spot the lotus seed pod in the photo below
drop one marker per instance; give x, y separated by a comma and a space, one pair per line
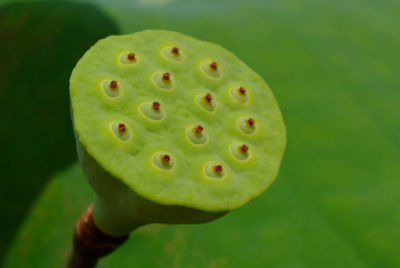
171, 129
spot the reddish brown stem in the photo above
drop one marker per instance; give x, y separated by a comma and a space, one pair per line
90, 243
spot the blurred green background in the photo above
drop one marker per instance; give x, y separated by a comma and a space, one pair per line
334, 69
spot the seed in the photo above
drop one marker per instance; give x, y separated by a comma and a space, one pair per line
243, 148
250, 122
218, 169
163, 161
242, 91
166, 76
214, 65
156, 106
121, 128
208, 98
198, 129
175, 51
197, 135
247, 126
131, 56
165, 158
163, 80
113, 84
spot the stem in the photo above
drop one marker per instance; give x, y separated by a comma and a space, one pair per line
90, 243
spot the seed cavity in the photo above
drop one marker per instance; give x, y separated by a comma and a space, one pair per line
247, 125
240, 151
163, 80
240, 94
214, 170
121, 131
173, 53
128, 58
112, 88
197, 134
164, 161
211, 68
152, 110
207, 102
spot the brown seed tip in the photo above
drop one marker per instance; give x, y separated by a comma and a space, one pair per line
175, 51
208, 98
121, 128
198, 129
165, 159
156, 106
243, 148
218, 168
166, 76
131, 56
250, 122
113, 84
214, 65
242, 91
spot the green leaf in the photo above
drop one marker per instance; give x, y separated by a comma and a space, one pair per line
40, 43
333, 67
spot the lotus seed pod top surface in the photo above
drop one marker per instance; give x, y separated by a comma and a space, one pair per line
178, 120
